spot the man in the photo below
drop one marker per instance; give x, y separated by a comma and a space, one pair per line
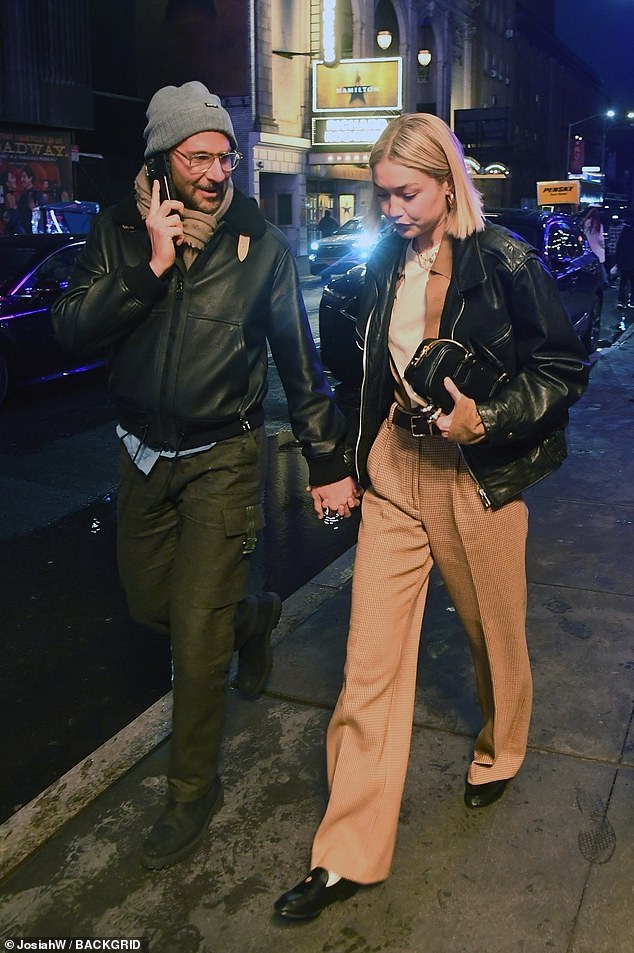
625, 265
327, 225
184, 293
614, 230
28, 199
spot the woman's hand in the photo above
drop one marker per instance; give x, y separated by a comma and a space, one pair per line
165, 228
463, 424
341, 497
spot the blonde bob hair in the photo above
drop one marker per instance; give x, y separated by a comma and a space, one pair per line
426, 143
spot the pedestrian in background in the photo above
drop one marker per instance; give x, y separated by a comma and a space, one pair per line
183, 292
327, 225
595, 236
614, 230
441, 487
625, 265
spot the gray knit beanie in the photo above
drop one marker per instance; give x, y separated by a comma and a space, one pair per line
177, 112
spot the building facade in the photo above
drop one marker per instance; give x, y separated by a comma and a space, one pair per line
309, 85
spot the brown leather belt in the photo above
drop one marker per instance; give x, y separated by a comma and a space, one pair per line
416, 424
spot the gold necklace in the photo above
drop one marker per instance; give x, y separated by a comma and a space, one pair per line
427, 258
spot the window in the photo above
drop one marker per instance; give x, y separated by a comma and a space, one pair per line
53, 274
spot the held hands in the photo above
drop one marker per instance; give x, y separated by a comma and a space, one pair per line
165, 228
463, 424
341, 497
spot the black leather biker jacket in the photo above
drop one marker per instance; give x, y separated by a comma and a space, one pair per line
502, 295
188, 352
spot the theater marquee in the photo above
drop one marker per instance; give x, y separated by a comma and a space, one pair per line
336, 131
357, 86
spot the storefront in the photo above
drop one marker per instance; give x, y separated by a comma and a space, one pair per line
352, 103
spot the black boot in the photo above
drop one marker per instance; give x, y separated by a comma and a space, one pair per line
255, 658
180, 828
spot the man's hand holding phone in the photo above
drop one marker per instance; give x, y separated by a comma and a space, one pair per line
165, 228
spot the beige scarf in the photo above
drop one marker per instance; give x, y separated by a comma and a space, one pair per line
197, 226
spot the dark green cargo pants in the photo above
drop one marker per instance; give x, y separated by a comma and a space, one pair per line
183, 534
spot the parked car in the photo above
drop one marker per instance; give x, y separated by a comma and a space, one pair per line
349, 245
557, 237
34, 271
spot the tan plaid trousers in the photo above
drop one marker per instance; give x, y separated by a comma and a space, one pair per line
423, 507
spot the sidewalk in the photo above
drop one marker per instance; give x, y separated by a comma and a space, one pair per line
548, 869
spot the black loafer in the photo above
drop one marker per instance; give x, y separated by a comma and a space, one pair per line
180, 828
481, 795
311, 896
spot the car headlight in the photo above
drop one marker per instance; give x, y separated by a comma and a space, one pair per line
365, 242
314, 246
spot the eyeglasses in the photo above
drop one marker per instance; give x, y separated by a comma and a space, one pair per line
201, 162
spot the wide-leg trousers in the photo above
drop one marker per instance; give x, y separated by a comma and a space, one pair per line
181, 547
422, 507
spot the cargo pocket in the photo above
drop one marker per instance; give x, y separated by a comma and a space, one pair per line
244, 521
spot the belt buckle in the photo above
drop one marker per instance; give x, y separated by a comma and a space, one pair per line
420, 425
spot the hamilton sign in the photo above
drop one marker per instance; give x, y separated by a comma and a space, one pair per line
354, 86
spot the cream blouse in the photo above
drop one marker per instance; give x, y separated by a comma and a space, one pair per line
407, 322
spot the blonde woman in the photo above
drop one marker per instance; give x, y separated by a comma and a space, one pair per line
452, 496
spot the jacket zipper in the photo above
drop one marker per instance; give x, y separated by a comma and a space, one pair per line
395, 277
178, 297
482, 493
361, 401
458, 316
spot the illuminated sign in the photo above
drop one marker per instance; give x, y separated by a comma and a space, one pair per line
358, 85
329, 31
494, 169
339, 158
553, 193
348, 130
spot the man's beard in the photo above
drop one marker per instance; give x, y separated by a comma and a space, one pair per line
213, 197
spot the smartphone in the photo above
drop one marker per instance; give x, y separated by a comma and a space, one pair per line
157, 168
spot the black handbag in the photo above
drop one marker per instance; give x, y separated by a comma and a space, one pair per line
475, 371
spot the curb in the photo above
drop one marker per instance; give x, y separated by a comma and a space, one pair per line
39, 820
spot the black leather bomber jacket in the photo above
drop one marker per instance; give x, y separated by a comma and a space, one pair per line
187, 353
502, 295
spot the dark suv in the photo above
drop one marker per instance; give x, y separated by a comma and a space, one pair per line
349, 245
560, 242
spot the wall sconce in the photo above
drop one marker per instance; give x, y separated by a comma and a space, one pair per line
384, 39
424, 57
